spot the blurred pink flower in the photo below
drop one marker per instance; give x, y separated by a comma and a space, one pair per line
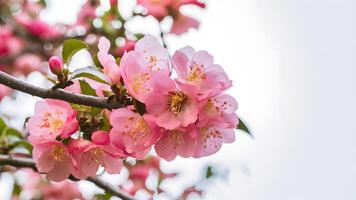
37, 27
52, 118
52, 158
28, 63
137, 133
198, 73
128, 46
9, 43
111, 69
90, 155
64, 190
171, 107
86, 14
156, 8
137, 67
4, 91
182, 24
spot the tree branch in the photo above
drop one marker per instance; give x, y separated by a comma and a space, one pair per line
86, 100
29, 163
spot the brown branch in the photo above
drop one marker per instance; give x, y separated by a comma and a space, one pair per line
81, 99
29, 163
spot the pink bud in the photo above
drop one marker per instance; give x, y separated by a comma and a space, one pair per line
55, 65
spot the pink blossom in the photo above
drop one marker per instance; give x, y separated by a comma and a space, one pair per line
10, 44
135, 132
182, 24
55, 65
4, 91
220, 111
156, 8
210, 139
52, 118
37, 27
52, 158
86, 14
64, 190
180, 142
128, 46
111, 69
137, 67
28, 63
171, 107
90, 155
198, 73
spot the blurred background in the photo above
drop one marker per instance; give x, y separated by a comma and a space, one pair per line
293, 67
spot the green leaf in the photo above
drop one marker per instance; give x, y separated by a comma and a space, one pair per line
13, 132
243, 127
86, 88
70, 47
105, 196
90, 73
209, 172
97, 62
139, 107
22, 143
2, 124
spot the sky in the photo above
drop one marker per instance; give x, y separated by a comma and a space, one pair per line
292, 63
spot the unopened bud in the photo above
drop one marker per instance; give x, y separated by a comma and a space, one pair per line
55, 65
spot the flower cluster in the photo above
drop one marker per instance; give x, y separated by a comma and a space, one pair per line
176, 105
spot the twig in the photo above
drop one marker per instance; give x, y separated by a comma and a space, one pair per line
29, 163
87, 100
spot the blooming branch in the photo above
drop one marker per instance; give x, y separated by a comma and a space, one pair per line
86, 100
29, 163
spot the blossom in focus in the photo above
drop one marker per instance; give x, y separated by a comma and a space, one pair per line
198, 73
171, 106
210, 139
138, 66
176, 142
111, 69
135, 132
220, 111
52, 118
28, 63
52, 157
182, 24
90, 155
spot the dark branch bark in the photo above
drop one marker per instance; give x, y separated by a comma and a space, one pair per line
29, 163
86, 100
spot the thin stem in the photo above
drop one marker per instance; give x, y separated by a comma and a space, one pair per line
87, 100
29, 163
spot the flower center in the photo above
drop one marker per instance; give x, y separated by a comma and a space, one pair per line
96, 155
196, 73
58, 154
176, 100
139, 83
139, 131
176, 138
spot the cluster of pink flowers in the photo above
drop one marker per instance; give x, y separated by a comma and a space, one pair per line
186, 116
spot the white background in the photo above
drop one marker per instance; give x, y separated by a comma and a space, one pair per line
293, 67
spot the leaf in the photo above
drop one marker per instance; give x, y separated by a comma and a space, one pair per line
139, 107
91, 73
97, 62
70, 47
2, 124
243, 127
209, 172
22, 143
13, 132
86, 88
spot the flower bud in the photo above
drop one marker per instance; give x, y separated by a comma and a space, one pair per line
55, 65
